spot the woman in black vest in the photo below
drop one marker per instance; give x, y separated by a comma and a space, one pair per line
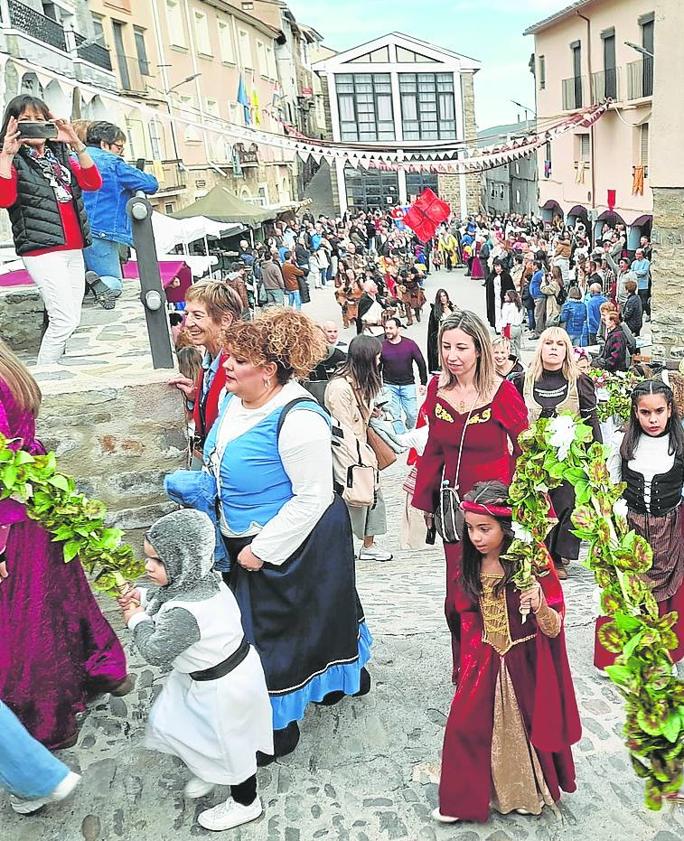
650, 459
40, 186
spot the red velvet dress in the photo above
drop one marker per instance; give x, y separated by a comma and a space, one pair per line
477, 746
489, 451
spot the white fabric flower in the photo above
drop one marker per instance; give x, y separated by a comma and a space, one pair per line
620, 508
521, 533
562, 434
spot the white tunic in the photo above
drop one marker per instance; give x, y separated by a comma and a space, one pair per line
215, 726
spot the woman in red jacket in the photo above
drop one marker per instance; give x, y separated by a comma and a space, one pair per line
210, 308
40, 186
475, 418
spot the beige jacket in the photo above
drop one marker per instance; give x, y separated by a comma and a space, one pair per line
550, 288
342, 404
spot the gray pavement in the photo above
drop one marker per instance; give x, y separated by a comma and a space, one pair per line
365, 770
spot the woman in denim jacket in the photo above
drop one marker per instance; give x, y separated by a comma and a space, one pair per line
109, 222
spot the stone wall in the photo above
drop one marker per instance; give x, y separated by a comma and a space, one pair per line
118, 441
668, 273
449, 188
21, 318
473, 180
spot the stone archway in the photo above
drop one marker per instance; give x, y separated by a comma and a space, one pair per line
58, 100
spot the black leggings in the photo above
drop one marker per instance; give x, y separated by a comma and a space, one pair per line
245, 793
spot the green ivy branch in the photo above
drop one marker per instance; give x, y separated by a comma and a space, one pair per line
70, 517
560, 449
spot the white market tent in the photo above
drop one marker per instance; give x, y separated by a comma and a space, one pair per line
168, 232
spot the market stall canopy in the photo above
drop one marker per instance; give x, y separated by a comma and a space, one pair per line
221, 205
169, 232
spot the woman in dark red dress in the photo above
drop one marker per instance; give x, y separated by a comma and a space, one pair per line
468, 407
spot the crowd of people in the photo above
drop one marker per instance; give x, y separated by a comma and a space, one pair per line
252, 599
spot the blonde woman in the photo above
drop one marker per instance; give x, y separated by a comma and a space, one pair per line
57, 648
553, 383
475, 417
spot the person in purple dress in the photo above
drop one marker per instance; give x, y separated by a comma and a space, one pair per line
57, 648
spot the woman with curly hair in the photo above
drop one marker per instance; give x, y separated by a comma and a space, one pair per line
287, 534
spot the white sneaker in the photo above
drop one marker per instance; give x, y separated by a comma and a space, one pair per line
197, 787
374, 553
438, 816
229, 814
63, 790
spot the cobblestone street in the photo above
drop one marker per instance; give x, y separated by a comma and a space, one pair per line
366, 769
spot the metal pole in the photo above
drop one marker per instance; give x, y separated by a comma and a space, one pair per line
151, 291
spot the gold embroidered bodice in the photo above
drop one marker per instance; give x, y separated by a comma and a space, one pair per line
496, 629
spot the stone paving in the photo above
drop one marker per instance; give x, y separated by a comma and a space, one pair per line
365, 770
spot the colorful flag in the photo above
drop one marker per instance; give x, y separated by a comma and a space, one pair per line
243, 100
425, 214
255, 108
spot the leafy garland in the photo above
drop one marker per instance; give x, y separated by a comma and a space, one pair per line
618, 387
51, 499
560, 449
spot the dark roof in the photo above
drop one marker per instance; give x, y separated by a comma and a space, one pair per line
559, 15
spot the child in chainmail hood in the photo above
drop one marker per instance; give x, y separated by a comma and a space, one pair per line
214, 711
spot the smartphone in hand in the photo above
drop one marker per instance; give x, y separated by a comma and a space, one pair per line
38, 130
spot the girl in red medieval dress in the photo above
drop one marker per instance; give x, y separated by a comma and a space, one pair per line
475, 417
514, 715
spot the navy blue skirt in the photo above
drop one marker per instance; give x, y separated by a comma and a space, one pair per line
304, 617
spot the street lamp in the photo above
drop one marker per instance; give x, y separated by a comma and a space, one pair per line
527, 111
639, 49
184, 81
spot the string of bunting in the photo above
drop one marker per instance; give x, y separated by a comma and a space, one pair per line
439, 161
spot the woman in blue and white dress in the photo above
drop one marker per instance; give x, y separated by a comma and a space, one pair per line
287, 533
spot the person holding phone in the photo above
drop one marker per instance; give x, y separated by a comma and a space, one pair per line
44, 169
109, 222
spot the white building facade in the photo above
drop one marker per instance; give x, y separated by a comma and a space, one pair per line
401, 94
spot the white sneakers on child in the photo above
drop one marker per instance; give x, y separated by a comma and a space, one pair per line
62, 791
374, 553
197, 787
229, 814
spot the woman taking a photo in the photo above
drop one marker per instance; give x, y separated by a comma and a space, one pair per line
40, 186
553, 384
349, 398
441, 308
475, 417
286, 532
57, 648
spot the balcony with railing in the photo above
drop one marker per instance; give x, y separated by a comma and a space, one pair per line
606, 84
135, 76
43, 41
37, 25
575, 93
93, 53
640, 78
